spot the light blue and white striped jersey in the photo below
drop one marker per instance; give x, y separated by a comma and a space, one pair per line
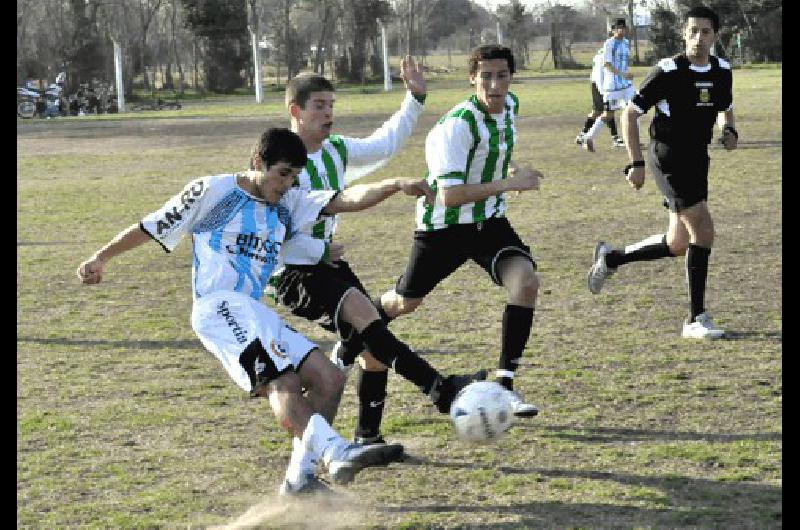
616, 52
236, 238
468, 146
340, 161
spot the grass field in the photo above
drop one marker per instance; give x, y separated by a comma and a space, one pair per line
124, 421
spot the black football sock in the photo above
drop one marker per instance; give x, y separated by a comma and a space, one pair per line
371, 390
587, 125
612, 126
697, 272
517, 322
385, 347
654, 247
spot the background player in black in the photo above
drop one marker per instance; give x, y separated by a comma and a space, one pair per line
690, 91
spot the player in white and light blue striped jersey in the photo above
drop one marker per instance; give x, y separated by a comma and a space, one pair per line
468, 154
239, 223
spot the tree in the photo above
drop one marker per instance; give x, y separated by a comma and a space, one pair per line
665, 37
222, 28
517, 26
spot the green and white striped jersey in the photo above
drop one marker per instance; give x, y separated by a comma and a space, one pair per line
468, 146
340, 161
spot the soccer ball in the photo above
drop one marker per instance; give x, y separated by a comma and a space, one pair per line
481, 412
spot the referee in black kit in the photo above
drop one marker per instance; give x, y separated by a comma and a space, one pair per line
690, 92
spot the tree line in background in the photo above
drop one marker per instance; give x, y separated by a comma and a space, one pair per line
206, 44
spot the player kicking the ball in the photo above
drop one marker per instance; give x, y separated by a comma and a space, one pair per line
238, 223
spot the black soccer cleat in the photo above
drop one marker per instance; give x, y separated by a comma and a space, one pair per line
445, 390
395, 453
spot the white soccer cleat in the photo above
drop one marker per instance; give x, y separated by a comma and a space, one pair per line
599, 271
579, 139
617, 141
352, 458
520, 408
702, 327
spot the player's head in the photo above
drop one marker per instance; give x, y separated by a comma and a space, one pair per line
279, 155
309, 101
700, 29
618, 28
490, 69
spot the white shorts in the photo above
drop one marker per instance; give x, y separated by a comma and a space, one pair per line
617, 99
248, 338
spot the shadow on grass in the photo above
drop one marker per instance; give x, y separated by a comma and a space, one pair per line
687, 500
754, 335
612, 435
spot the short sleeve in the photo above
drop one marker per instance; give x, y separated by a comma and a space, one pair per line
177, 216
651, 91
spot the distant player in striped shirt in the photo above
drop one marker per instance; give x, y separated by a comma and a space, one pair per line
617, 87
468, 153
315, 282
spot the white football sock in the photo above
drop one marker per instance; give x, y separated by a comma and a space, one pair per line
598, 123
302, 462
320, 438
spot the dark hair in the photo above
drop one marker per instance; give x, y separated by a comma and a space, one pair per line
619, 23
702, 12
280, 145
300, 87
490, 51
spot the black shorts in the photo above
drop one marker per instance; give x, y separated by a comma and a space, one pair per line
597, 99
316, 292
438, 253
681, 173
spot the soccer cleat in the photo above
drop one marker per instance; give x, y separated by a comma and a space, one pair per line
335, 359
617, 141
588, 144
352, 458
397, 456
520, 408
702, 327
445, 390
310, 484
579, 139
599, 271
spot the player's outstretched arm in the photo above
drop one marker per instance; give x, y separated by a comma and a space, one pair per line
91, 270
363, 196
519, 179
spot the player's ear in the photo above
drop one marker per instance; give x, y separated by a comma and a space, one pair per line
256, 163
294, 110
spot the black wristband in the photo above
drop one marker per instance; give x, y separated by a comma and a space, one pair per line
730, 129
635, 163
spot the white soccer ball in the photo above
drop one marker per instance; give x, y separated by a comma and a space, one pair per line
481, 412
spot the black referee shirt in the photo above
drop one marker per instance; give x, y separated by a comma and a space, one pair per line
687, 99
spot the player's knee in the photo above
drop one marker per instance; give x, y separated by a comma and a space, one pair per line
282, 387
370, 364
528, 287
407, 305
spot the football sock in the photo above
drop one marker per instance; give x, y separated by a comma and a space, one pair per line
587, 125
612, 126
598, 123
654, 247
302, 462
371, 390
517, 322
385, 347
320, 438
379, 306
696, 274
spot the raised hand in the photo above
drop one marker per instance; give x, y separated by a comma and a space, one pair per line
412, 76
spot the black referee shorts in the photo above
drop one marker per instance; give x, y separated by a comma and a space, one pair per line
597, 99
438, 253
316, 292
681, 173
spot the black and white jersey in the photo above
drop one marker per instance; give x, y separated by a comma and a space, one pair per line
687, 99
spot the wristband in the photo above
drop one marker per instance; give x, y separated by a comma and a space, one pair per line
730, 129
635, 163
420, 97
